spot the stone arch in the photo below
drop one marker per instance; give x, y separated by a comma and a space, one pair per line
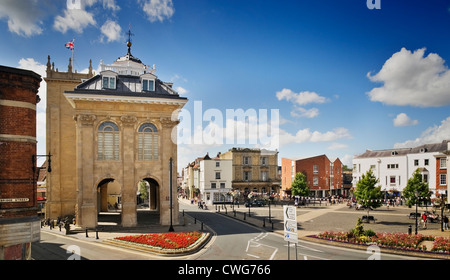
154, 192
108, 195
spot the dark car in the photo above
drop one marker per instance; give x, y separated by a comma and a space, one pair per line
256, 203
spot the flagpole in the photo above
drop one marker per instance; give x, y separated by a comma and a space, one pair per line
73, 54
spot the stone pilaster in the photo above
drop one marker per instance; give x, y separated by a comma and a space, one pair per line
129, 215
86, 190
168, 150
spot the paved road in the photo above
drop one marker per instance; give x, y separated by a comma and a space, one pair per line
232, 240
235, 240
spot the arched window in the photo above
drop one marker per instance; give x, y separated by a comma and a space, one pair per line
108, 141
148, 142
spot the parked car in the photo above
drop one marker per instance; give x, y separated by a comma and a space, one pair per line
255, 203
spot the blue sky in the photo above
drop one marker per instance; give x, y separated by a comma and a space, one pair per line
345, 78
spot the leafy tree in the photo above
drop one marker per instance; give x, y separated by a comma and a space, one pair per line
415, 186
143, 190
299, 186
367, 193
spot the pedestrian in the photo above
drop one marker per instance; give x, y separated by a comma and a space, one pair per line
424, 220
445, 222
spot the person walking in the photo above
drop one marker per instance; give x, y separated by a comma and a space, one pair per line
424, 220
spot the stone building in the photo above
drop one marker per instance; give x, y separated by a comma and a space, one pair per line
254, 170
19, 223
107, 133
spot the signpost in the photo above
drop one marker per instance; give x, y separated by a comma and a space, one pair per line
290, 227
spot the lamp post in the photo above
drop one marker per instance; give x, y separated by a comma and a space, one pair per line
170, 194
416, 194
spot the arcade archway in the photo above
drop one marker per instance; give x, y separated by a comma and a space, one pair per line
148, 194
108, 196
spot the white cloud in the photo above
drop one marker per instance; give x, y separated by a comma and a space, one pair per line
31, 64
75, 19
305, 135
412, 79
158, 10
112, 31
302, 112
337, 146
23, 16
181, 90
301, 98
347, 160
111, 4
434, 134
403, 120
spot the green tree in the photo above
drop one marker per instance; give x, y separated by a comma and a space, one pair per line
143, 190
367, 192
299, 186
416, 190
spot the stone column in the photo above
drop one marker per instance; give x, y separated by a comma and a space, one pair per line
129, 187
86, 191
168, 150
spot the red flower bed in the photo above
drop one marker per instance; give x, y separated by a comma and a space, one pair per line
391, 240
170, 240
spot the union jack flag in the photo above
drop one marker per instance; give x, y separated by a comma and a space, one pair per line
70, 45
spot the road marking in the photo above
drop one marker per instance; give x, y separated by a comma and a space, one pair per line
254, 243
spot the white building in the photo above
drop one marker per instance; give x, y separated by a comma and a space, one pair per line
215, 177
394, 167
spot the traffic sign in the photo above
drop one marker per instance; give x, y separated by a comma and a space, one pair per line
290, 224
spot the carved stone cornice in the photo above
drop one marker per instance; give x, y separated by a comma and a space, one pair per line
85, 119
168, 123
128, 120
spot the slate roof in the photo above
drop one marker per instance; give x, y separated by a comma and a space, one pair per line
426, 148
126, 85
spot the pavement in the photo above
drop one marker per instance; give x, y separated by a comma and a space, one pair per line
311, 220
109, 227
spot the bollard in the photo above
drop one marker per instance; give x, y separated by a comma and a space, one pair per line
264, 222
96, 233
409, 230
234, 211
183, 212
87, 233
195, 220
244, 216
202, 226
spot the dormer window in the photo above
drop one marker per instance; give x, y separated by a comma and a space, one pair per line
148, 82
109, 82
148, 85
109, 79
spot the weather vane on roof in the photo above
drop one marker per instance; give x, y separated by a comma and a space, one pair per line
129, 39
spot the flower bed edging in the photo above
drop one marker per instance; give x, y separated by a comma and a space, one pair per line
158, 250
385, 249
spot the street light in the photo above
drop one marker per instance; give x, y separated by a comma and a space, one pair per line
416, 194
170, 194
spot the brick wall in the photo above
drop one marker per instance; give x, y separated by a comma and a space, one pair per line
18, 98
